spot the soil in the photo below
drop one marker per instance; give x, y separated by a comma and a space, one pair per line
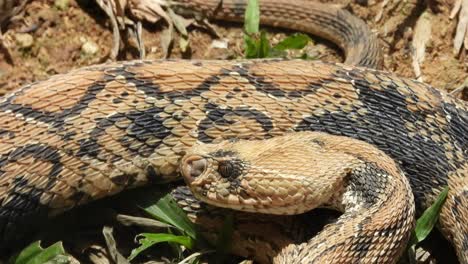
46, 39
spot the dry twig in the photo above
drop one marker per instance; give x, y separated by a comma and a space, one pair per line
421, 36
461, 35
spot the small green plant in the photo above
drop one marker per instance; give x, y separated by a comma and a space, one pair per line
256, 41
167, 211
426, 223
182, 234
35, 254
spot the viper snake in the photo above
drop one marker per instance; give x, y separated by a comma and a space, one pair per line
271, 136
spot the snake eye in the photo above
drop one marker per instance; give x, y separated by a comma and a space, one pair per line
230, 168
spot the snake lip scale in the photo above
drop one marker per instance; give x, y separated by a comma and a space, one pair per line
99, 130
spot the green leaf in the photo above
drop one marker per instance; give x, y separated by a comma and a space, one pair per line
150, 239
59, 259
166, 210
428, 219
295, 41
252, 17
35, 254
26, 254
48, 254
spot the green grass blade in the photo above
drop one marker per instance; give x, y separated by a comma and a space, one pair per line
252, 17
428, 219
150, 239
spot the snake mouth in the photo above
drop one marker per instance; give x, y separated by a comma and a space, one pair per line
192, 167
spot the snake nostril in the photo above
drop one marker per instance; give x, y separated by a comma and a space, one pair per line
194, 167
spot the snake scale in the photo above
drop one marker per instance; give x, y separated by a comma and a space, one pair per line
99, 130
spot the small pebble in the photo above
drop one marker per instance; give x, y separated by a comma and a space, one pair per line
89, 48
61, 4
220, 44
24, 40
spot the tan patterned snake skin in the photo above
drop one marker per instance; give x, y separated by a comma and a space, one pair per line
99, 130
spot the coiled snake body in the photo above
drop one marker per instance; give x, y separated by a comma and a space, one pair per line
99, 130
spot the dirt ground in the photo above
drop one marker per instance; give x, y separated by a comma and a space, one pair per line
49, 38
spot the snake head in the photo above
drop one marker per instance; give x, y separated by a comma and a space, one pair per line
247, 176
215, 177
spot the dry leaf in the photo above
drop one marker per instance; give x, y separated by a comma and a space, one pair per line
180, 22
166, 40
117, 258
149, 10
